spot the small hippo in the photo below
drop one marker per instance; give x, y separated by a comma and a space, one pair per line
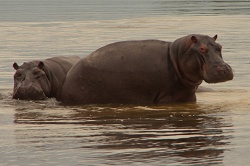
38, 80
146, 72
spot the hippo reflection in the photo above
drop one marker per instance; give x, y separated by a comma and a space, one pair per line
185, 132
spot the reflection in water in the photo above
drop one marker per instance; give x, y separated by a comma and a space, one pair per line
187, 133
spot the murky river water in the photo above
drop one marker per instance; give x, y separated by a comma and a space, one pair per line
214, 131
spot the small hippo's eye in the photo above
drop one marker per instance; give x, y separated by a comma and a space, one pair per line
37, 74
18, 76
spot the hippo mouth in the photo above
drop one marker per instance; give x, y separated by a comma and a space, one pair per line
29, 93
216, 73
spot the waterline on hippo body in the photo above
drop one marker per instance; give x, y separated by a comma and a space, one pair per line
29, 93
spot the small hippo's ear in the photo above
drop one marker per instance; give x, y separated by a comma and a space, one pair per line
215, 37
15, 66
194, 39
40, 65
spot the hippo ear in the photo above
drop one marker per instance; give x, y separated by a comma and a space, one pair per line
215, 37
40, 65
15, 66
194, 39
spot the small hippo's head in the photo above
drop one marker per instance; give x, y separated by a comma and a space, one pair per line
30, 81
213, 68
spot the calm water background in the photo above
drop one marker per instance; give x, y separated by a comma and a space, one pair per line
214, 131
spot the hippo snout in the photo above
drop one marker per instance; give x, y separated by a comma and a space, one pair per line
224, 69
29, 93
218, 73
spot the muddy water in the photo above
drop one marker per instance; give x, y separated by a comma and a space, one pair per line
214, 131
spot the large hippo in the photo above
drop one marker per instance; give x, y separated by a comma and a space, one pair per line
37, 80
146, 72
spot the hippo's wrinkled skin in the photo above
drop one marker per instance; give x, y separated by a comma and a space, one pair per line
146, 72
38, 80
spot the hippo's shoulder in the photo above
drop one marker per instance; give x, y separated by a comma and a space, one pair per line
60, 63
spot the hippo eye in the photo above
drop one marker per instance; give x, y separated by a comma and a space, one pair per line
18, 76
203, 50
37, 74
219, 47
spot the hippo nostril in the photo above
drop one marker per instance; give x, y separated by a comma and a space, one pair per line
219, 69
222, 69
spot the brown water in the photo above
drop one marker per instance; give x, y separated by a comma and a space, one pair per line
214, 131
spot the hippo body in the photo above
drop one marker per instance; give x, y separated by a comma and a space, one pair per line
38, 80
146, 72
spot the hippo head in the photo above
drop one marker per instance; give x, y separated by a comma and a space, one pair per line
199, 58
213, 68
30, 82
